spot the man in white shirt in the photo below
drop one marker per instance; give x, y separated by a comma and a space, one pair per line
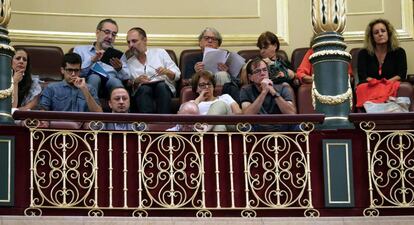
153, 73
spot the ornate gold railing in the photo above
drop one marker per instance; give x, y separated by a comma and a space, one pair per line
140, 171
390, 155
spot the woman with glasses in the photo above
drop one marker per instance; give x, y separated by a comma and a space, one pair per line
208, 38
203, 85
26, 90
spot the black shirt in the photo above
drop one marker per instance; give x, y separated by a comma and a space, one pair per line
395, 63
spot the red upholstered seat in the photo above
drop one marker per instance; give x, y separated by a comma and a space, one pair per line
46, 61
186, 56
354, 63
249, 54
297, 56
173, 56
253, 53
304, 99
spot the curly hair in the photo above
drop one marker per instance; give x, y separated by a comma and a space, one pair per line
369, 42
26, 83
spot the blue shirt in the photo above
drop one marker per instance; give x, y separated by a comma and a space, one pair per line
61, 96
87, 52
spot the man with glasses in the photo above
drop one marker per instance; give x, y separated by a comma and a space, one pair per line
97, 73
261, 96
72, 93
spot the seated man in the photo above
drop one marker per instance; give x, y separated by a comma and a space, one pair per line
97, 73
71, 94
264, 97
119, 103
154, 74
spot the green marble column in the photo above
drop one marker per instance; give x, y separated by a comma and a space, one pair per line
331, 92
6, 54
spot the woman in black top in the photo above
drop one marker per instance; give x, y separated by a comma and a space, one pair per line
382, 57
381, 64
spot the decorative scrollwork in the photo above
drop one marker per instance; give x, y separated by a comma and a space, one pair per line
140, 213
33, 211
139, 126
96, 125
204, 213
331, 99
277, 173
201, 127
63, 170
172, 172
95, 212
244, 127
311, 213
391, 170
31, 123
367, 126
306, 127
7, 92
371, 212
248, 213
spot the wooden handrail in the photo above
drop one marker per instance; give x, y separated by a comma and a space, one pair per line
168, 118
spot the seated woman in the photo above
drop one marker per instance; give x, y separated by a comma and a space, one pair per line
208, 38
203, 84
381, 64
26, 91
280, 70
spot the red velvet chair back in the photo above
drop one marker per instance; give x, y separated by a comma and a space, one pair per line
45, 61
297, 56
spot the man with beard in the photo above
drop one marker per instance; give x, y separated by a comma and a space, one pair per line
119, 103
71, 94
153, 74
97, 73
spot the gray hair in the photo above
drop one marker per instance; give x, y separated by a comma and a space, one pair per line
214, 31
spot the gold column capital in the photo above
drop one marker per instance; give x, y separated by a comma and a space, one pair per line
5, 12
328, 16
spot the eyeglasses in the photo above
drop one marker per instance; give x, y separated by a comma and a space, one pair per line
208, 38
205, 85
109, 32
70, 70
258, 70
